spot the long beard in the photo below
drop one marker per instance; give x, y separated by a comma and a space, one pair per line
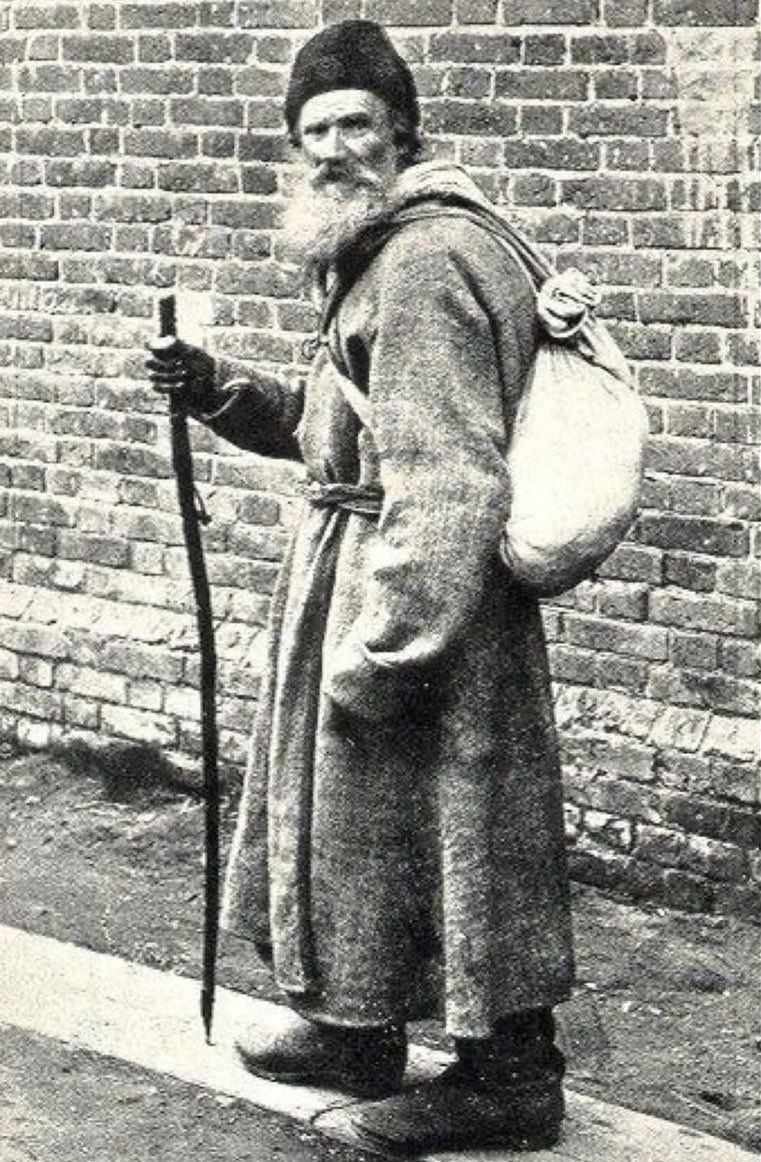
322, 217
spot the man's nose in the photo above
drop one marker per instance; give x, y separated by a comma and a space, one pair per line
333, 145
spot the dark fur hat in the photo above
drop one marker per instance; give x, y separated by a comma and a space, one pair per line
353, 54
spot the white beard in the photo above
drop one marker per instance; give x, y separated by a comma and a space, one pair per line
318, 222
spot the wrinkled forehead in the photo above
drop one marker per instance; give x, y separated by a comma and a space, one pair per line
337, 104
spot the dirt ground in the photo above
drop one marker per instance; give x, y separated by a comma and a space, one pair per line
106, 853
65, 1104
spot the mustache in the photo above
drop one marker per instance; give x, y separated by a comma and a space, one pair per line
332, 172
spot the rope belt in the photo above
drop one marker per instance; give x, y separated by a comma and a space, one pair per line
364, 498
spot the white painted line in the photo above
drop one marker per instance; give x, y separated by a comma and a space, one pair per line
151, 1019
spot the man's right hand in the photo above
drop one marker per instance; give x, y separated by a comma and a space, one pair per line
186, 373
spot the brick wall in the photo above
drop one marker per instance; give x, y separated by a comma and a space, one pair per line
140, 149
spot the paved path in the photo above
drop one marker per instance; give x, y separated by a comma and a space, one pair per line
150, 1019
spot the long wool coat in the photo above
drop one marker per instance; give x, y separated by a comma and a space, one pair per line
399, 851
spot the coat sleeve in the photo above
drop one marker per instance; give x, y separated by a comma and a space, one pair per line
446, 369
258, 413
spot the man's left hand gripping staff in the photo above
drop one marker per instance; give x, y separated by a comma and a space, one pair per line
183, 371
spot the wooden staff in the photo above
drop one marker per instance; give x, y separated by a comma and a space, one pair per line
193, 514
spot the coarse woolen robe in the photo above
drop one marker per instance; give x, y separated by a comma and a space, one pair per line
399, 851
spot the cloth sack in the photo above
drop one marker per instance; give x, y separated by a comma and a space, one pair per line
574, 462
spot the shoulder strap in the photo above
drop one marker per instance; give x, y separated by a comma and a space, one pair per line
529, 259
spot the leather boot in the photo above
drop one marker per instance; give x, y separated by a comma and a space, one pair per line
365, 1062
505, 1090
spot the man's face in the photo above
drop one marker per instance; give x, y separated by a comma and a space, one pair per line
347, 141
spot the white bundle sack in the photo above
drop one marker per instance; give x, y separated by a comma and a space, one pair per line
576, 451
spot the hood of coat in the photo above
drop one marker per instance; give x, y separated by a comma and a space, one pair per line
440, 181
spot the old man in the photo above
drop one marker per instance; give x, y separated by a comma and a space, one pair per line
399, 852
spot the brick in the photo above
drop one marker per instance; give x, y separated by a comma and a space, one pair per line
681, 728
600, 49
629, 639
720, 822
410, 12
681, 383
541, 120
145, 695
742, 502
39, 510
686, 892
615, 833
139, 725
703, 612
625, 13
731, 780
620, 600
638, 342
658, 845
695, 650
100, 550
31, 16
215, 81
742, 900
737, 427
44, 641
91, 683
36, 672
697, 347
80, 172
103, 141
102, 17
280, 14
546, 49
476, 11
560, 154
699, 534
742, 659
467, 82
710, 858
11, 49
705, 12
183, 177
615, 672
262, 147
639, 121
476, 48
155, 48
701, 458
174, 81
608, 193
542, 85
99, 49
168, 16
552, 12
740, 579
160, 143
534, 190
617, 84
668, 232
31, 700
624, 760
50, 142
133, 461
9, 665
278, 49
214, 47
471, 118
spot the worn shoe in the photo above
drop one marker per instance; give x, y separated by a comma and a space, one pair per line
454, 1112
363, 1062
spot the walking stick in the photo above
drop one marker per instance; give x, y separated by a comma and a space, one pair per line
193, 515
